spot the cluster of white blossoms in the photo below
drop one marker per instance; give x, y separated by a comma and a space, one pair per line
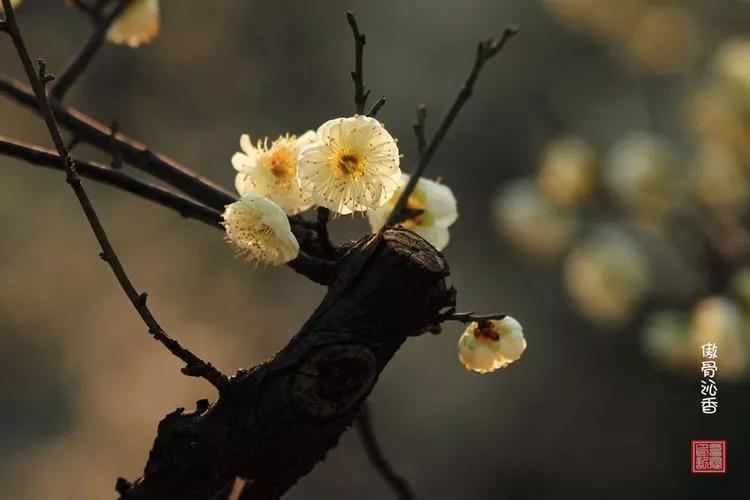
651, 37
490, 345
348, 165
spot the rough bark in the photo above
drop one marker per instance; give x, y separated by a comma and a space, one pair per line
275, 422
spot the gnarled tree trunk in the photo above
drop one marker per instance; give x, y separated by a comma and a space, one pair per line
275, 422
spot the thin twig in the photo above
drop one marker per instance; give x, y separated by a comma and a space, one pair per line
88, 130
194, 365
186, 207
319, 270
367, 434
360, 94
83, 58
485, 51
376, 107
116, 155
87, 8
98, 135
420, 128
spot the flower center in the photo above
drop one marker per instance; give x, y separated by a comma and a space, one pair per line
281, 164
349, 165
485, 331
414, 204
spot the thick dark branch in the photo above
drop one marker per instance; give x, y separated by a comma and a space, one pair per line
360, 95
186, 207
194, 365
367, 434
90, 131
485, 51
275, 422
81, 61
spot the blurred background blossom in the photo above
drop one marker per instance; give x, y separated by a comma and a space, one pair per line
601, 172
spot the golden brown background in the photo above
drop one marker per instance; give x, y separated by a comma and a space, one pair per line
83, 386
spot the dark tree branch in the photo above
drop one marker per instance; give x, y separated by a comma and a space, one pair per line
91, 10
164, 168
378, 460
81, 61
485, 51
194, 366
321, 271
275, 422
360, 95
100, 136
186, 207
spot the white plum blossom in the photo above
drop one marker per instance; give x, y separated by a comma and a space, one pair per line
353, 165
437, 211
666, 338
272, 171
530, 222
733, 69
490, 345
741, 285
642, 177
568, 171
720, 320
138, 24
258, 229
607, 275
720, 180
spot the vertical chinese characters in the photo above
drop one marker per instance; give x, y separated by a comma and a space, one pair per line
709, 367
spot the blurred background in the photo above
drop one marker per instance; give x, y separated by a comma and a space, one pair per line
601, 171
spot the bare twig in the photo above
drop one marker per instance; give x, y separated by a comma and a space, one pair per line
367, 434
485, 51
100, 136
320, 271
48, 158
88, 130
420, 130
194, 365
116, 155
81, 61
360, 94
376, 107
87, 8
